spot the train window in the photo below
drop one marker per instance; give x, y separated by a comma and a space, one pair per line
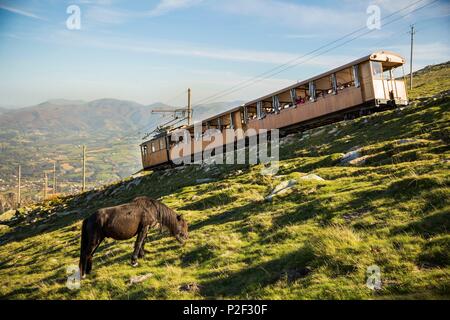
323, 86
344, 79
251, 112
153, 147
162, 144
377, 70
390, 73
145, 150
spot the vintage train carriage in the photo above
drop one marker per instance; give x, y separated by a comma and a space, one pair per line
362, 84
231, 119
368, 83
155, 152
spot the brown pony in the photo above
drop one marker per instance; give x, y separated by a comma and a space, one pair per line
124, 222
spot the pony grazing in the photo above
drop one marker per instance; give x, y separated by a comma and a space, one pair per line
124, 222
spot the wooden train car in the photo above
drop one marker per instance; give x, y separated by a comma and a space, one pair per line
367, 84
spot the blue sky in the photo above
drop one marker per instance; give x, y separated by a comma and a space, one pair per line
149, 51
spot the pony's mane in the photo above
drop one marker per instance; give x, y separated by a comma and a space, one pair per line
163, 214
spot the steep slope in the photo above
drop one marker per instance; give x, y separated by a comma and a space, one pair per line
431, 80
384, 201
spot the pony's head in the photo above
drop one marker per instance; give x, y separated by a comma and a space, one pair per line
181, 232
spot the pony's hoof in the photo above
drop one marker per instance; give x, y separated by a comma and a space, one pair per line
134, 263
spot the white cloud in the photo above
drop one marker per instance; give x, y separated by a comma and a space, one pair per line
196, 51
299, 16
165, 6
101, 11
106, 15
21, 12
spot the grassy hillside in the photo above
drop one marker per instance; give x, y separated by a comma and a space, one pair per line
430, 80
388, 207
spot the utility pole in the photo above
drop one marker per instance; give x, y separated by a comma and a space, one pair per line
45, 185
412, 32
54, 178
84, 169
19, 174
189, 107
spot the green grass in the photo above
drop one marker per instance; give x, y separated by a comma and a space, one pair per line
430, 80
314, 242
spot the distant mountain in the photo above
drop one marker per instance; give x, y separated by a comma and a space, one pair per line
104, 115
63, 116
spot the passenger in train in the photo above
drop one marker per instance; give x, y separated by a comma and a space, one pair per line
300, 100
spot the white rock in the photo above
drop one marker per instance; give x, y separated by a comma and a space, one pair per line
65, 213
359, 161
304, 137
134, 183
405, 141
312, 176
318, 133
288, 139
139, 279
206, 180
334, 130
351, 155
281, 188
91, 196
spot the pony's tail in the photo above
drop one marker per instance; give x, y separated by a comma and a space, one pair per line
83, 248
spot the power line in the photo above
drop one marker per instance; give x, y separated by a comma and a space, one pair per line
291, 64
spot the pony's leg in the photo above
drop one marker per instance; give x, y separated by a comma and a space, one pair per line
94, 246
138, 244
142, 250
83, 265
84, 248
